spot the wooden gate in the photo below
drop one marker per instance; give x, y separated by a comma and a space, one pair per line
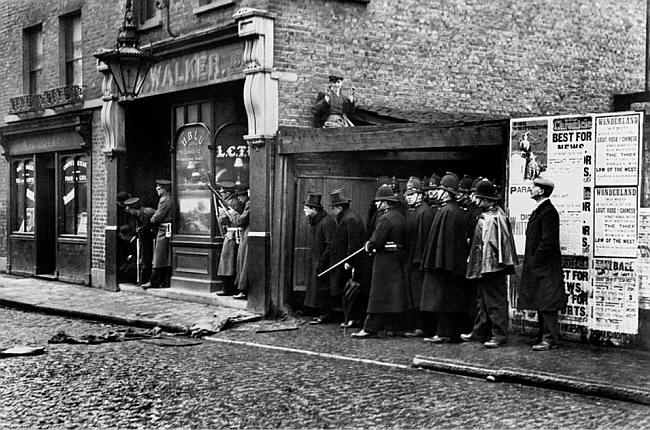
360, 190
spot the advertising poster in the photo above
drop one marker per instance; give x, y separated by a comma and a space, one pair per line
528, 159
617, 149
577, 286
570, 147
643, 258
615, 296
615, 222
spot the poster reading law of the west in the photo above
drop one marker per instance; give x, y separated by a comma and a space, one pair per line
617, 149
615, 296
615, 222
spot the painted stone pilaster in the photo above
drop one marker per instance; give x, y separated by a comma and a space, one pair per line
261, 102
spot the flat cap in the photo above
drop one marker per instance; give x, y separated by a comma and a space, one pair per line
545, 183
163, 182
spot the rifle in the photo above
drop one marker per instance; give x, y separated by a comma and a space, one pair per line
219, 202
341, 262
137, 260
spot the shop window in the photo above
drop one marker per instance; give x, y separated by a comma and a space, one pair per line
72, 49
34, 60
74, 192
24, 196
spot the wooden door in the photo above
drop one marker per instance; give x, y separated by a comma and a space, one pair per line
360, 190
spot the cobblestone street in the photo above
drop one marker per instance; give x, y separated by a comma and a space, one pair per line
139, 385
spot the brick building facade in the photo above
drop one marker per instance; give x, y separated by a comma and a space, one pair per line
410, 62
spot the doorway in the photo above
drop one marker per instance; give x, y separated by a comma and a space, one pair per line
45, 228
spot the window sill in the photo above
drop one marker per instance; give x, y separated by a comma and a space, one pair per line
154, 22
71, 238
211, 6
22, 235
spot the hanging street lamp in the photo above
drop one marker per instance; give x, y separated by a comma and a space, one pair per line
128, 65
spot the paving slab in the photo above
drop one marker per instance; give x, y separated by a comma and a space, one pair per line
131, 307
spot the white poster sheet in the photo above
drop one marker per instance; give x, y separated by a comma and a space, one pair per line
643, 259
617, 149
615, 301
615, 222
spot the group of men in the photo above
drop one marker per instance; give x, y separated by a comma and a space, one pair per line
233, 209
146, 234
146, 254
435, 262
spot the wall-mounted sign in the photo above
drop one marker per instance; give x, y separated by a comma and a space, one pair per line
220, 64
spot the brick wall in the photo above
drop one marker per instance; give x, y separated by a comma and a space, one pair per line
501, 58
98, 200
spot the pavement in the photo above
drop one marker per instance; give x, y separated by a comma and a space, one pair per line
603, 371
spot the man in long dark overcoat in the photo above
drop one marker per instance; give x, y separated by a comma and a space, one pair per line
350, 235
418, 222
444, 290
322, 227
388, 301
542, 279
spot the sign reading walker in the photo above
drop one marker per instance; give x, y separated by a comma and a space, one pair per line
594, 161
220, 64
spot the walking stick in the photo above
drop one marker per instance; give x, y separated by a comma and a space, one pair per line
138, 276
341, 262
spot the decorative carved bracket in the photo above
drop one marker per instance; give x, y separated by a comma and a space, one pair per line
256, 27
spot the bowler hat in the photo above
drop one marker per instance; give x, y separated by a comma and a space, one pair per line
385, 193
465, 184
337, 197
163, 182
313, 200
133, 201
226, 185
485, 189
413, 186
544, 183
449, 182
240, 189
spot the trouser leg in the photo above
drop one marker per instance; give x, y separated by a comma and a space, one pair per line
496, 299
482, 327
549, 326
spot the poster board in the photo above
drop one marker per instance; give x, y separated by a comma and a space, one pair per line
594, 161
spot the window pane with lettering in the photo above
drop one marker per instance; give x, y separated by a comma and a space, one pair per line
34, 38
23, 208
74, 192
73, 54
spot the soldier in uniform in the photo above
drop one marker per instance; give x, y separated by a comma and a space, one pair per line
389, 301
162, 221
418, 221
127, 270
444, 290
323, 227
492, 257
349, 236
241, 281
145, 235
229, 220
